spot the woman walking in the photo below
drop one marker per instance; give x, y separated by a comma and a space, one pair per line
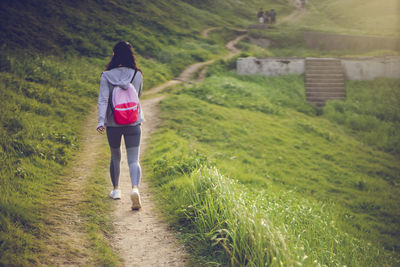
121, 73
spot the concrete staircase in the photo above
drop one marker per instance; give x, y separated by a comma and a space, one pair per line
324, 80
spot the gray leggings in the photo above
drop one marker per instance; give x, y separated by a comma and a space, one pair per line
132, 140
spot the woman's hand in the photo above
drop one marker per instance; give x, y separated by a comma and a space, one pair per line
101, 129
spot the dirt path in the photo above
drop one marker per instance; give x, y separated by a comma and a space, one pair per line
141, 237
294, 16
207, 31
233, 52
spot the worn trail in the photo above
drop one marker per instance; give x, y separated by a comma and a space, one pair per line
141, 237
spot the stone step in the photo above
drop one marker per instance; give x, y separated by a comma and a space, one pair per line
325, 94
324, 80
322, 66
325, 89
324, 75
323, 70
324, 84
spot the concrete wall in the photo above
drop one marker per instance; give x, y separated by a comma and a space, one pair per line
270, 66
371, 67
367, 68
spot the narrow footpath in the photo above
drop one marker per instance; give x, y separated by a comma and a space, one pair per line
140, 236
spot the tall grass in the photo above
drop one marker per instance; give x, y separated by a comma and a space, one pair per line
229, 224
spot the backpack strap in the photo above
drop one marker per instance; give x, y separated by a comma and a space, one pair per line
134, 75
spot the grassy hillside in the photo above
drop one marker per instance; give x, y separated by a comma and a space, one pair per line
358, 17
287, 41
51, 57
285, 179
354, 17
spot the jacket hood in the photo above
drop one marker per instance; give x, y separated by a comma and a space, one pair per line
121, 76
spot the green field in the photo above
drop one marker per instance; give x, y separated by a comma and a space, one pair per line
262, 177
276, 160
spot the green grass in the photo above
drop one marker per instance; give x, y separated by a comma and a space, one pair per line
167, 31
51, 57
35, 146
370, 112
260, 132
52, 54
97, 210
229, 224
44, 103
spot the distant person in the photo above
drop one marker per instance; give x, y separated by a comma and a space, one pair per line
272, 15
266, 16
121, 71
260, 16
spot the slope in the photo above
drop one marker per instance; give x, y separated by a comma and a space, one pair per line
342, 195
52, 53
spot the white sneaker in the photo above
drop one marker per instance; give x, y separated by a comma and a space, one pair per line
135, 197
115, 194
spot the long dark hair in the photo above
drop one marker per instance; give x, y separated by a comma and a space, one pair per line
123, 57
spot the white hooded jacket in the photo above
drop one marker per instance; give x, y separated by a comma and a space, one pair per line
121, 77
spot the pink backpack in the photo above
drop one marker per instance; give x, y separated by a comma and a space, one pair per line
125, 104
